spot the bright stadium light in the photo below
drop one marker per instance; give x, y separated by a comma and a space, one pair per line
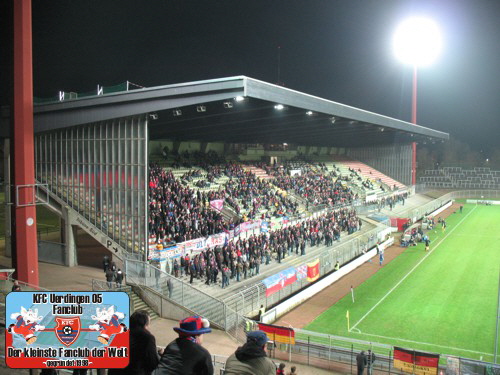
279, 107
239, 98
417, 41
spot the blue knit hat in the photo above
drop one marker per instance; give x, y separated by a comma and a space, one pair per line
193, 326
259, 337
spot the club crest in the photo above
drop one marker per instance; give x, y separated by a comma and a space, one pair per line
67, 329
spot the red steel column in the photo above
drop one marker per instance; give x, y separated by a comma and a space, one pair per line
414, 121
25, 251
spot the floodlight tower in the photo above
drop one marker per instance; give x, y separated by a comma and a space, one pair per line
417, 42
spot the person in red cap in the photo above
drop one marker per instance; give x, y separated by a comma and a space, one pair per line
186, 355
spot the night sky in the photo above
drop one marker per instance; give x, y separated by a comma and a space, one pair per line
335, 49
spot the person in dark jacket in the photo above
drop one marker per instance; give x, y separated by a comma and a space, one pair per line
143, 353
251, 358
119, 278
361, 361
185, 355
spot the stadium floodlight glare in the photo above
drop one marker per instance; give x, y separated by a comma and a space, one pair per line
417, 41
177, 112
239, 98
309, 113
279, 107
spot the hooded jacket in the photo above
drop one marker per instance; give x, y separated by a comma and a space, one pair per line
249, 359
184, 357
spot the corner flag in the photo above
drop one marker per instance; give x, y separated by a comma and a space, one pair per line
347, 316
352, 294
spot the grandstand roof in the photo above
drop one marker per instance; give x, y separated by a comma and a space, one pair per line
209, 113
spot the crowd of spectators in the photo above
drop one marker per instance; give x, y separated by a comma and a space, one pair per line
316, 188
177, 212
242, 258
391, 200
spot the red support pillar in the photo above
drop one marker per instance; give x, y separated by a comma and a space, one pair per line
25, 246
414, 121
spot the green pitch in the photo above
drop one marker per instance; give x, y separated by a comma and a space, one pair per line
442, 301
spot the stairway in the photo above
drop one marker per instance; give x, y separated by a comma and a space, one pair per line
136, 303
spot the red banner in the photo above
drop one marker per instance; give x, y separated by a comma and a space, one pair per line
285, 335
313, 271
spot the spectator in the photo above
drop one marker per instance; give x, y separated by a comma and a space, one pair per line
105, 263
251, 358
119, 278
170, 287
110, 276
185, 355
293, 371
361, 362
370, 358
16, 287
143, 352
281, 369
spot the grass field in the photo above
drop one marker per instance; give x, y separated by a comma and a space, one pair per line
442, 301
47, 221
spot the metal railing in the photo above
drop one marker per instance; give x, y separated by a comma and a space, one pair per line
339, 353
251, 298
429, 207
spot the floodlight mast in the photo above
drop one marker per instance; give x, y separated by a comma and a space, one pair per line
417, 42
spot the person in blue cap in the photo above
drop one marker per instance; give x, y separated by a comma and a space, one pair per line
186, 355
251, 358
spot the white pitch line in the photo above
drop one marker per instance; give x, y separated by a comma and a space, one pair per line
426, 343
411, 271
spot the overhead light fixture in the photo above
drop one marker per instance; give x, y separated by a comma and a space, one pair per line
333, 119
309, 113
239, 98
382, 129
228, 104
153, 116
279, 107
201, 108
177, 112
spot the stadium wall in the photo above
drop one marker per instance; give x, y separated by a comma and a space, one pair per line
393, 160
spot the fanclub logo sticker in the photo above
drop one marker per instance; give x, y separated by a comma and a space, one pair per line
67, 329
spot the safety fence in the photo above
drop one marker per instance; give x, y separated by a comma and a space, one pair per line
426, 209
339, 354
156, 286
251, 298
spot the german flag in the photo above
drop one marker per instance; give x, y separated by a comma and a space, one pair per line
419, 363
313, 271
285, 335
